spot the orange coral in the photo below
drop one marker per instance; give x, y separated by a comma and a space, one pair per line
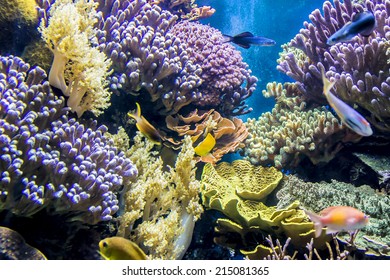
228, 133
199, 13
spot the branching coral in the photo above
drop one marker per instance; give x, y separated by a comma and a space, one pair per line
78, 69
161, 207
147, 58
227, 81
229, 134
358, 67
291, 132
48, 161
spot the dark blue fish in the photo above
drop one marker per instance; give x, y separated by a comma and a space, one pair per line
246, 39
362, 23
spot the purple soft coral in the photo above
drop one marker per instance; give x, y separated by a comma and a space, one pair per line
146, 57
48, 160
359, 67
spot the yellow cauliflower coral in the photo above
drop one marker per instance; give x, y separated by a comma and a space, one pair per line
78, 69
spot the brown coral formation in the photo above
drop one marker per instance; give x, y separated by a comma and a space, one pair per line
185, 9
228, 133
291, 131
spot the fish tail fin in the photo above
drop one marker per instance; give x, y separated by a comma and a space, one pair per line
316, 219
327, 84
227, 38
137, 113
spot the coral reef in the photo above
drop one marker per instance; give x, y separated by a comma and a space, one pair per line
359, 67
304, 127
161, 207
147, 59
373, 239
229, 134
227, 81
14, 247
291, 132
48, 161
239, 191
78, 69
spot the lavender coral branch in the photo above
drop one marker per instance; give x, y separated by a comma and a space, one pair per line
358, 67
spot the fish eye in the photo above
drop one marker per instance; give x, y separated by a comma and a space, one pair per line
105, 244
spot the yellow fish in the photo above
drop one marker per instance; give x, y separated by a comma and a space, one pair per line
145, 127
338, 218
205, 147
348, 116
119, 248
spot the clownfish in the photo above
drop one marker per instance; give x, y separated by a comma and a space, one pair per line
145, 127
347, 114
338, 218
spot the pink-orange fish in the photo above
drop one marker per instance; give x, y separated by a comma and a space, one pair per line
338, 218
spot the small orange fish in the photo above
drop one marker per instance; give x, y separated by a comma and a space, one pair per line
145, 127
338, 218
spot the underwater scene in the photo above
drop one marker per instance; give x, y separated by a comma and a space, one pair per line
194, 129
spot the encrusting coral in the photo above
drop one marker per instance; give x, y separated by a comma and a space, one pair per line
291, 131
79, 70
229, 134
358, 67
373, 239
161, 207
49, 161
14, 247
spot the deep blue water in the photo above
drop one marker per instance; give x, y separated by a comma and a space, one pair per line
280, 20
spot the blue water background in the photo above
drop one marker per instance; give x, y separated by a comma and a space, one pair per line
279, 20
